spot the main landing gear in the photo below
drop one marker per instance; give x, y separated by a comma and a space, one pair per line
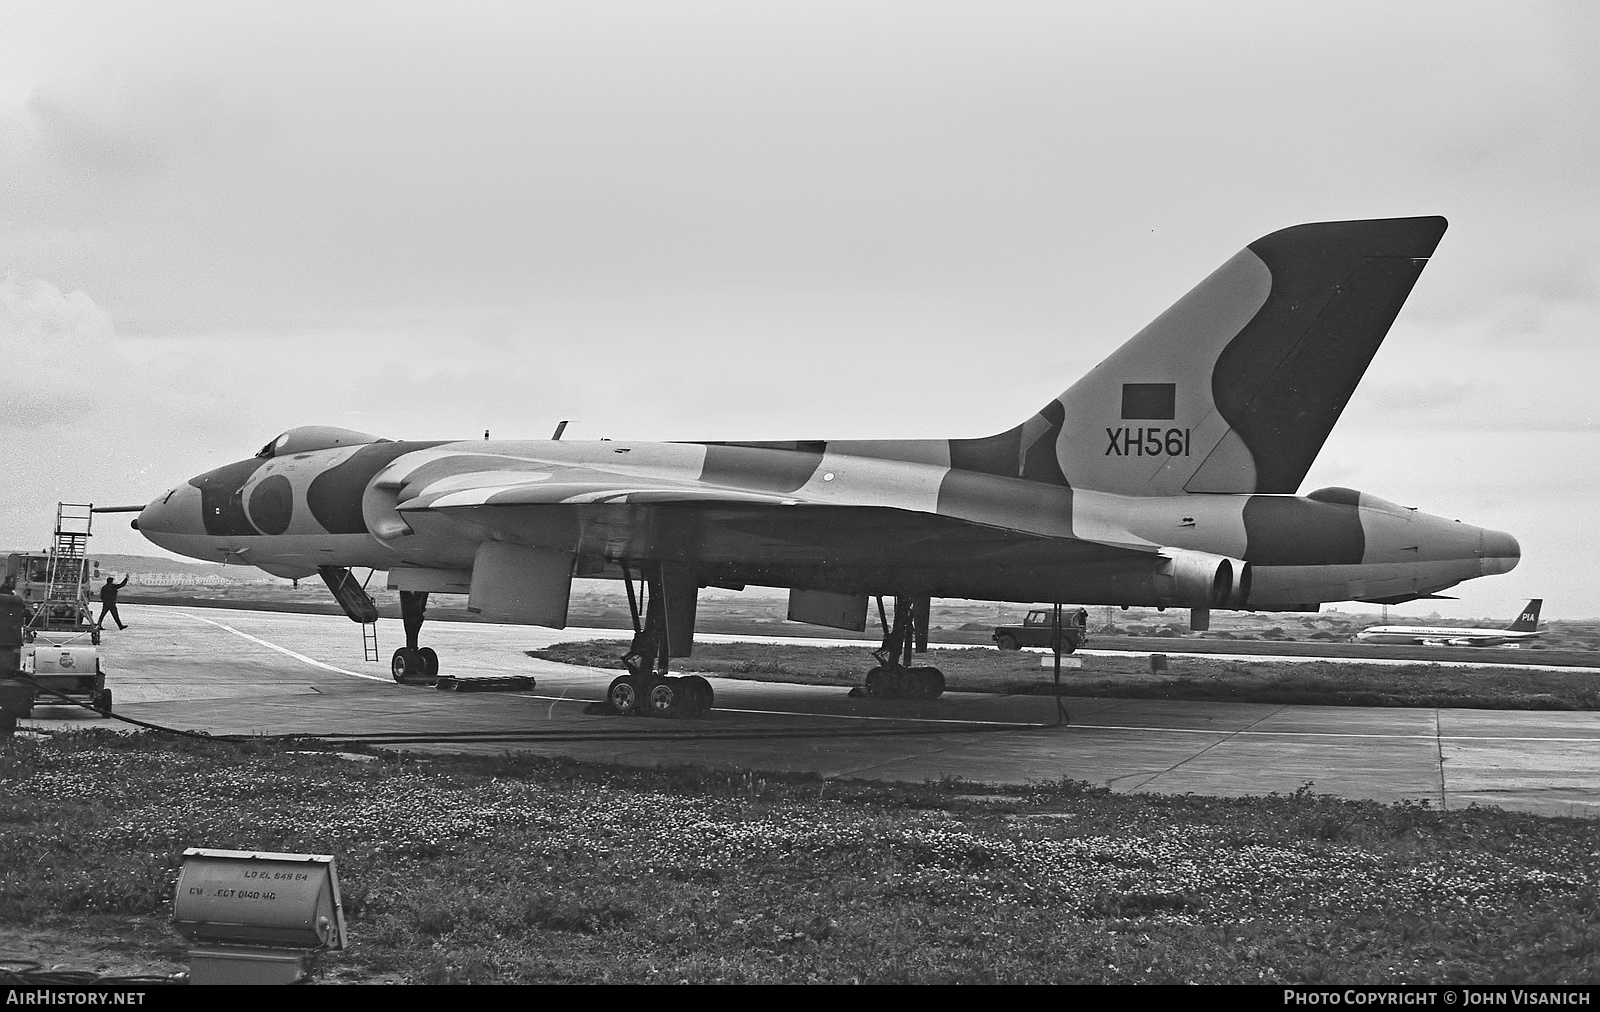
894, 677
412, 663
648, 689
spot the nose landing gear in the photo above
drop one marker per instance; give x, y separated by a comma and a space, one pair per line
409, 665
412, 663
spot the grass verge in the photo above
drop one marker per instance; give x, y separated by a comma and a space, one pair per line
519, 869
987, 670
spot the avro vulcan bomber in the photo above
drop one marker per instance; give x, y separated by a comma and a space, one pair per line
1168, 477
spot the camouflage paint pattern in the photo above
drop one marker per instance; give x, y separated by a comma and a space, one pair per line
1174, 460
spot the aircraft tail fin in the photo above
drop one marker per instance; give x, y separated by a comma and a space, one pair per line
1236, 386
1528, 621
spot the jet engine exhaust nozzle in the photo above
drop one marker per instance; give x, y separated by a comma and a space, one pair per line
1201, 580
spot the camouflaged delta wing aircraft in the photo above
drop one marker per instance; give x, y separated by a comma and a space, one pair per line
1165, 477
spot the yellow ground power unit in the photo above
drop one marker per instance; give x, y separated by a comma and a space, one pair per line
255, 917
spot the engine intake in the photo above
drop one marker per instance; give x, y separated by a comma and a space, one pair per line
1201, 580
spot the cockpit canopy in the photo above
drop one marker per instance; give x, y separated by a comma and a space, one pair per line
315, 437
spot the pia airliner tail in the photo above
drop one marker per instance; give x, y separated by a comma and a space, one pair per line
1528, 621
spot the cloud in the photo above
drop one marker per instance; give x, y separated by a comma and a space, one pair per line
113, 125
1425, 397
36, 307
56, 346
1471, 382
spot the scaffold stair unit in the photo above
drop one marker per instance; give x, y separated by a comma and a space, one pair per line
66, 606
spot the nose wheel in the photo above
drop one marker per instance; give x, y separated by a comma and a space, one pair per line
410, 664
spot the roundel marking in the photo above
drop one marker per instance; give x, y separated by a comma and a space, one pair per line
272, 504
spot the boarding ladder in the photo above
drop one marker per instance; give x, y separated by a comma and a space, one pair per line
66, 603
369, 629
356, 603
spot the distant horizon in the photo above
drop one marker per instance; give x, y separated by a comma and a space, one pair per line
1340, 607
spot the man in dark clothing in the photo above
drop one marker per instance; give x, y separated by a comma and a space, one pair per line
13, 619
108, 601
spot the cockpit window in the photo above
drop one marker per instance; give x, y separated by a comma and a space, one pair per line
315, 437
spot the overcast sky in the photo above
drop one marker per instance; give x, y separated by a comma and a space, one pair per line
771, 220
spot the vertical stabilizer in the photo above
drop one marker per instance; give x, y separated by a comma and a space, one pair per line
1528, 621
1235, 388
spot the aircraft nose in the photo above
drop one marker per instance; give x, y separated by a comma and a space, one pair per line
177, 512
1498, 552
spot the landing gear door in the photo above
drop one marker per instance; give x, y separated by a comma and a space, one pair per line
826, 608
680, 594
517, 583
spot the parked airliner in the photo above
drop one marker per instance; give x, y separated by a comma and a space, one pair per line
1526, 627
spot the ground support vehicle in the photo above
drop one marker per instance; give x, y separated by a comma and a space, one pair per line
65, 669
1038, 630
47, 631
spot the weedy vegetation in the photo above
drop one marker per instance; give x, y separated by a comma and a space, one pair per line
982, 669
520, 869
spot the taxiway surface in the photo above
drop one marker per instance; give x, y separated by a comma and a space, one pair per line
229, 672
